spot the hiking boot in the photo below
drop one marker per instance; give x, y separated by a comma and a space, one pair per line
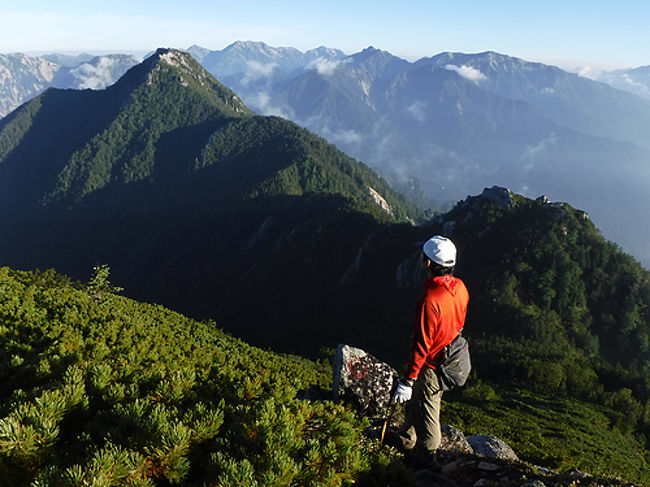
421, 459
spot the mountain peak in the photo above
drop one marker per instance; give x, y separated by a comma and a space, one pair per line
377, 63
175, 66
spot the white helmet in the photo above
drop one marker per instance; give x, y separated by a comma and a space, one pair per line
440, 250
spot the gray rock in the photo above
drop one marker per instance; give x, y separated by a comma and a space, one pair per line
363, 380
488, 467
542, 199
492, 447
454, 439
534, 483
499, 196
577, 474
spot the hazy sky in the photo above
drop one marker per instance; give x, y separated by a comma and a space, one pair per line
600, 34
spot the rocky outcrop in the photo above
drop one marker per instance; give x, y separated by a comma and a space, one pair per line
363, 380
499, 196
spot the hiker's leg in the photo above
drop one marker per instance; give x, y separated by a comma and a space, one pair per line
427, 396
407, 434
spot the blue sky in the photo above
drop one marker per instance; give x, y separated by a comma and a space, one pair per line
600, 34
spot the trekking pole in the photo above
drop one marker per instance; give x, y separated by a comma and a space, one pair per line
389, 414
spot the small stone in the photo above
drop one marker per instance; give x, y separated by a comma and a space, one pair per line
454, 439
450, 467
534, 483
577, 474
545, 471
481, 483
488, 467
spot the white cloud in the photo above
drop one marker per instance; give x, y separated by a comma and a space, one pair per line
324, 66
95, 77
635, 84
533, 153
417, 110
467, 72
344, 136
589, 72
261, 102
257, 70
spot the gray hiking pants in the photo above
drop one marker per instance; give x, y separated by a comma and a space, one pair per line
422, 425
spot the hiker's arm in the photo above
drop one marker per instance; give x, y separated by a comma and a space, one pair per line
424, 332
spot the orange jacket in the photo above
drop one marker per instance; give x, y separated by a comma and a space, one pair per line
440, 317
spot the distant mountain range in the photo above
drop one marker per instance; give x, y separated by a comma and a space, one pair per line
447, 126
636, 80
23, 77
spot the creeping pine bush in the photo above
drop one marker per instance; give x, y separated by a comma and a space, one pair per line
104, 392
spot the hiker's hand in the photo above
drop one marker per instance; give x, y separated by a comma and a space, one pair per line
403, 392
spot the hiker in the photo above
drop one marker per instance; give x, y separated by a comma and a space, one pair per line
440, 317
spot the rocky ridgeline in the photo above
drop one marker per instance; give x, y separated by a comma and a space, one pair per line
474, 461
466, 211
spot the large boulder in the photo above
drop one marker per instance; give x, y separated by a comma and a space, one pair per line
363, 380
492, 447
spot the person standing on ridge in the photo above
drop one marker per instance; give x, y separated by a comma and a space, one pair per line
440, 317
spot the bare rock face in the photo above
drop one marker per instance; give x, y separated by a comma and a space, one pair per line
492, 447
499, 196
363, 380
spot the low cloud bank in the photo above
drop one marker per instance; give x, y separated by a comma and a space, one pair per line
467, 72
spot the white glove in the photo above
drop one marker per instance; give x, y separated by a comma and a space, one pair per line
402, 393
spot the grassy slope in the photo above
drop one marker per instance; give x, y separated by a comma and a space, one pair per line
555, 432
95, 386
101, 390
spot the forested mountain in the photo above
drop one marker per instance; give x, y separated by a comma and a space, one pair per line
444, 127
171, 179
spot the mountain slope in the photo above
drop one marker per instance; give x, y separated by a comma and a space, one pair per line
566, 98
168, 155
21, 78
112, 136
